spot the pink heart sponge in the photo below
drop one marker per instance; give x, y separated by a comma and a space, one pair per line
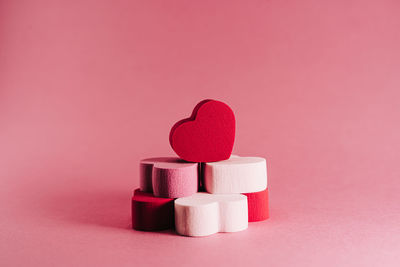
169, 177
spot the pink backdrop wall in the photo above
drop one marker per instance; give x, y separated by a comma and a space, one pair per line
87, 88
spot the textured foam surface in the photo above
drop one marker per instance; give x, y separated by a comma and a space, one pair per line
204, 214
235, 175
175, 180
207, 135
168, 177
258, 205
151, 213
146, 171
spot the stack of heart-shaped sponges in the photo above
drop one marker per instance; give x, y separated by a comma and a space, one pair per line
206, 190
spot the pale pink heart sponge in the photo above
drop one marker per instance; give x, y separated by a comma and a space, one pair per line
204, 214
169, 177
235, 175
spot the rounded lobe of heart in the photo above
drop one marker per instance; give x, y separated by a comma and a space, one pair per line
192, 117
207, 136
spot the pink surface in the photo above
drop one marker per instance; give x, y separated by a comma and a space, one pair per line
88, 88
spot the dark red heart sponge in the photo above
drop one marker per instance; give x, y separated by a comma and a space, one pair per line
207, 135
150, 213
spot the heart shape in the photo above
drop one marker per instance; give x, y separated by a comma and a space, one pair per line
207, 135
204, 214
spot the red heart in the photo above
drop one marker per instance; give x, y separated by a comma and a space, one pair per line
207, 135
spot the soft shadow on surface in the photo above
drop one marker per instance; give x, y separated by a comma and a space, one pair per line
169, 232
102, 208
85, 203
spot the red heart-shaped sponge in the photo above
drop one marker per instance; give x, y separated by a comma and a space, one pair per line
207, 135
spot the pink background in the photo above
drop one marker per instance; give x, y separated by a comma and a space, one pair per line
88, 88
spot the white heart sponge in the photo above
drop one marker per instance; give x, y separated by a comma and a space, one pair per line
236, 175
204, 214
